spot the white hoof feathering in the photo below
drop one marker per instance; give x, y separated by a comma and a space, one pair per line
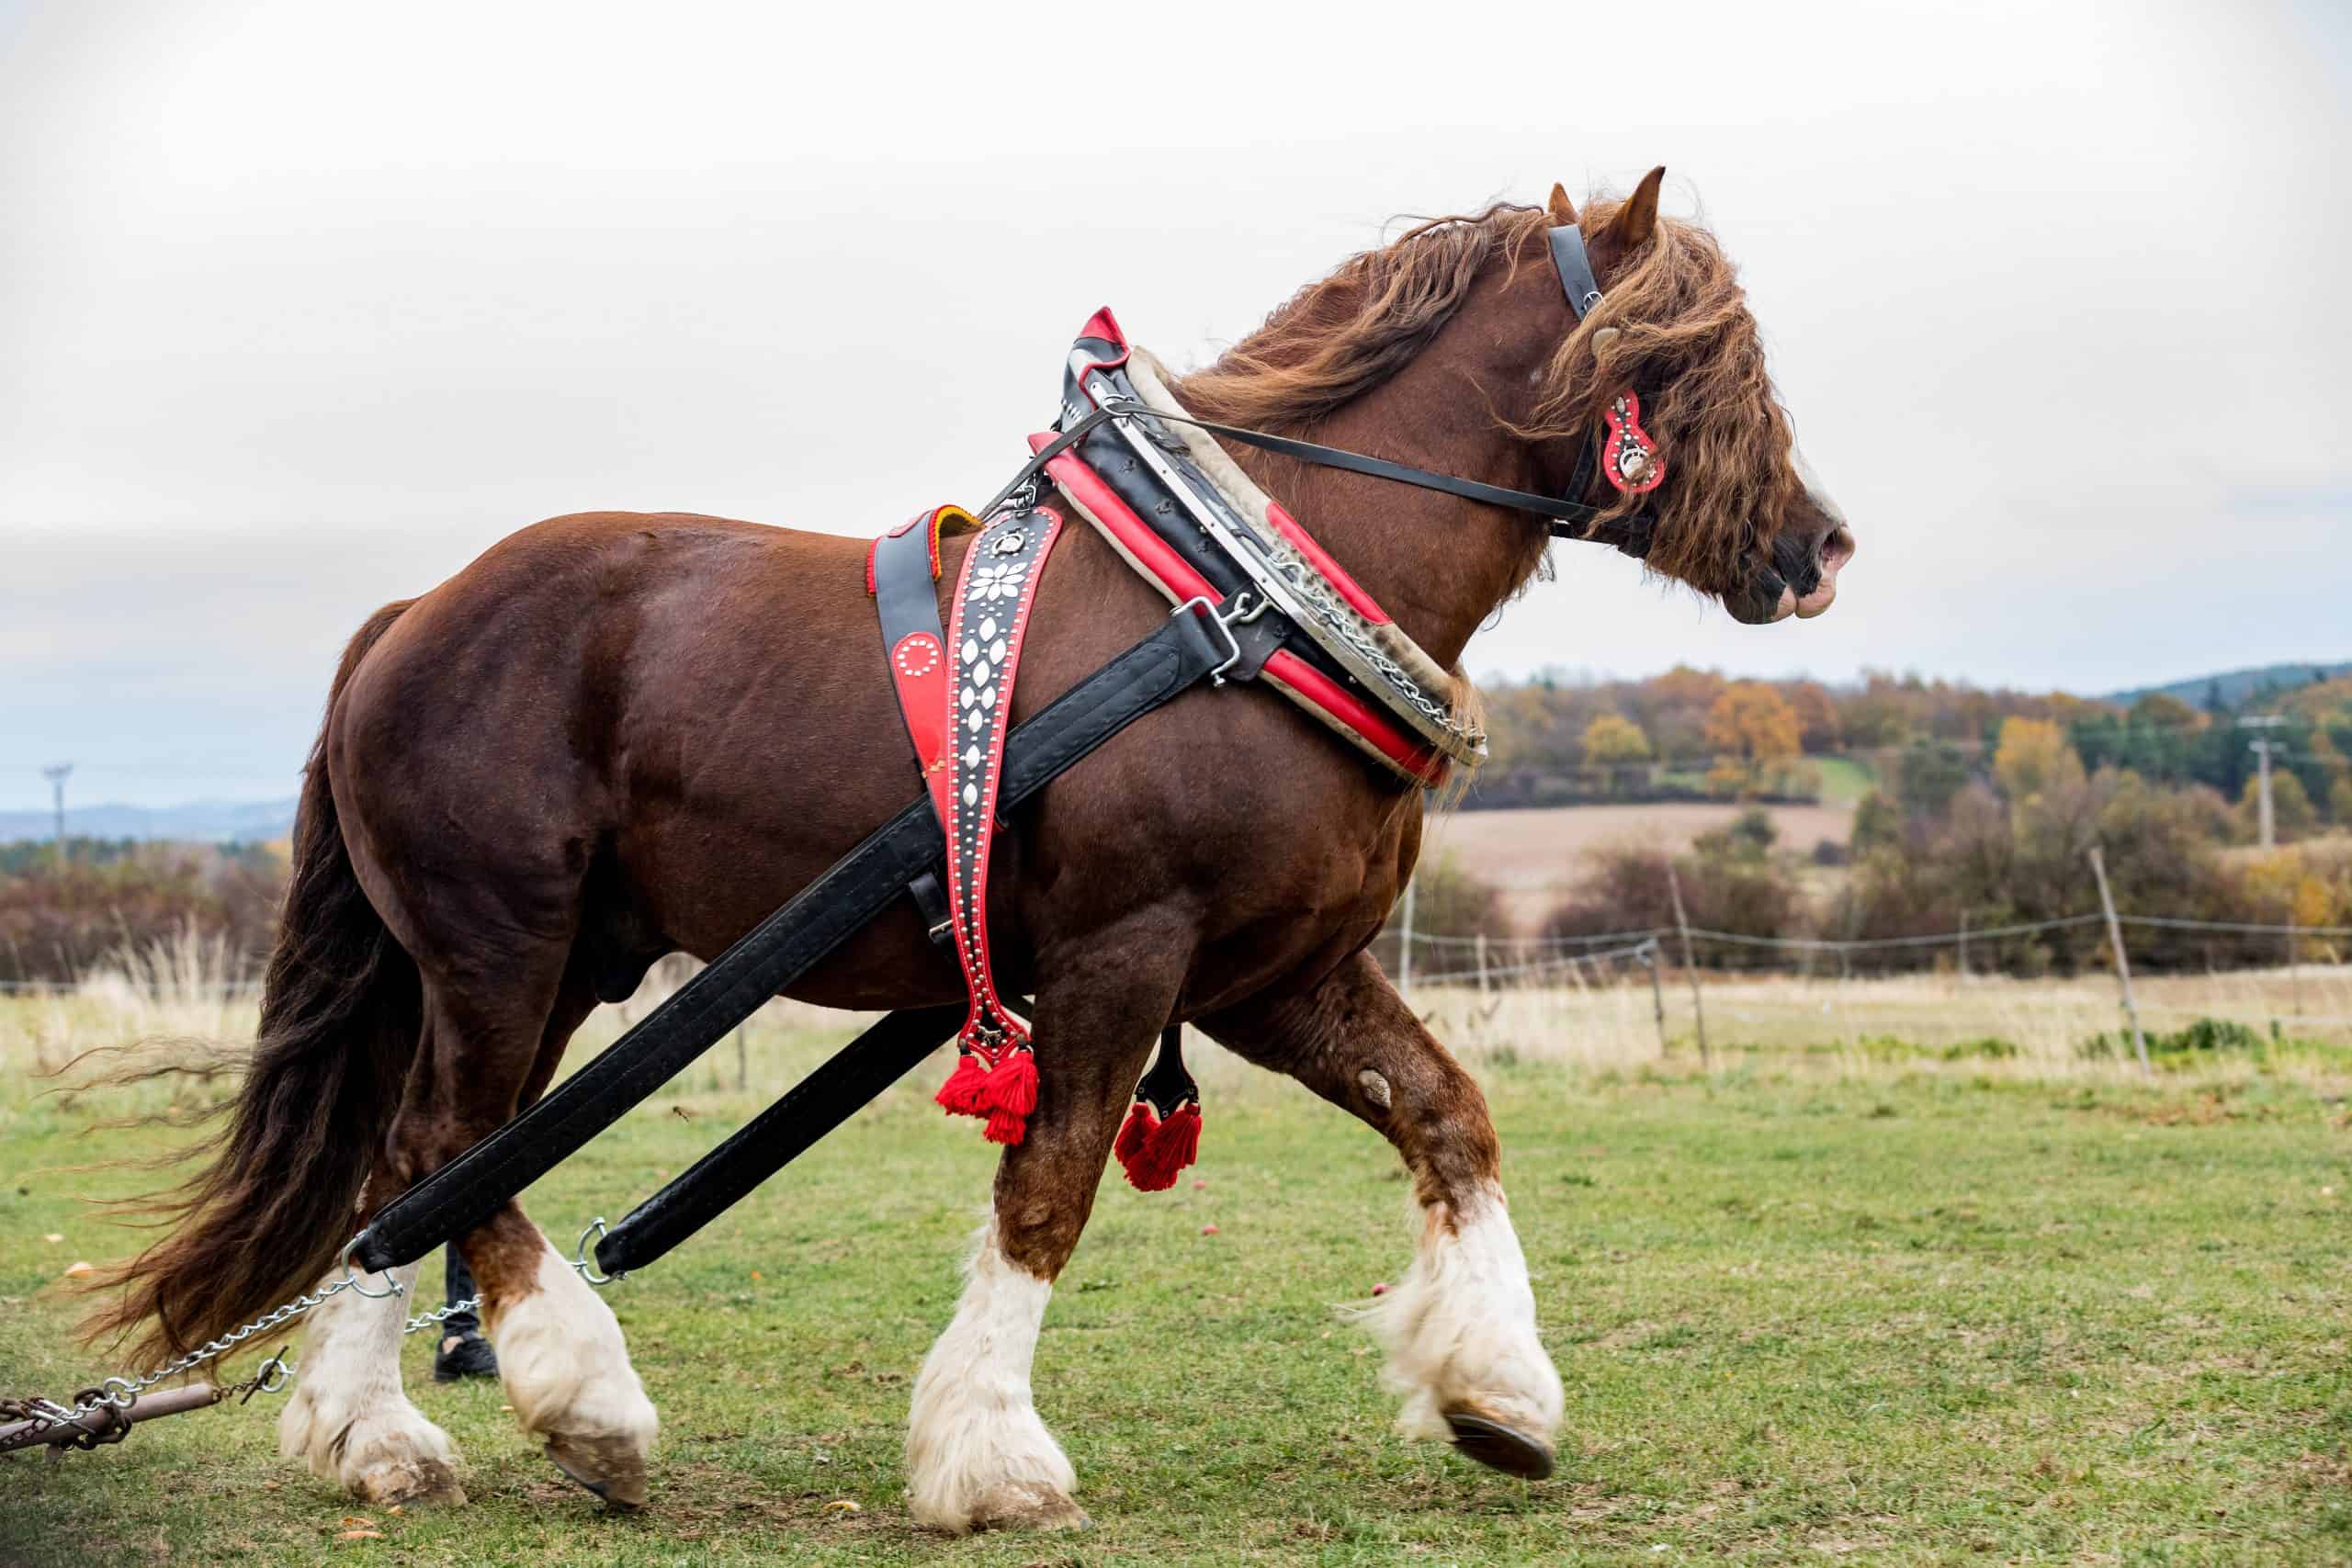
568, 1376
976, 1454
347, 1417
1461, 1328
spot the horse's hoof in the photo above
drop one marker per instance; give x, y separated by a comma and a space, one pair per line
1028, 1505
1498, 1446
609, 1466
410, 1482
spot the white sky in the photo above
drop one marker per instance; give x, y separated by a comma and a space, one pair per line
301, 306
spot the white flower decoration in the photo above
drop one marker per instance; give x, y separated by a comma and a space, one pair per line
993, 583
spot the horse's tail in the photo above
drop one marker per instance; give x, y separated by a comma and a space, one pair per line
340, 1020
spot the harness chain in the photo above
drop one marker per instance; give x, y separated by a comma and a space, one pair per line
119, 1395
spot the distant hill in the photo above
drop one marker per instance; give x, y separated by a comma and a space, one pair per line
2236, 684
199, 821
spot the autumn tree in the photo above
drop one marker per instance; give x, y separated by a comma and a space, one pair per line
1612, 737
1816, 710
1749, 725
2292, 815
2034, 755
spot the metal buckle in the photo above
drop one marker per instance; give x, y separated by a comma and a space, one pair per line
1241, 614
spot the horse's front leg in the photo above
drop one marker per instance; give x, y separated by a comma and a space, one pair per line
978, 1455
1461, 1328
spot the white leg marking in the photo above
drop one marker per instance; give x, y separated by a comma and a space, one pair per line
347, 1417
568, 1375
1461, 1328
977, 1453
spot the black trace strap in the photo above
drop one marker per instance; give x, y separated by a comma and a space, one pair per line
1186, 649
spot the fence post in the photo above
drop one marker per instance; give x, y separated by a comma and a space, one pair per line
742, 1058
1690, 964
1963, 945
1657, 992
1482, 966
2122, 960
1405, 945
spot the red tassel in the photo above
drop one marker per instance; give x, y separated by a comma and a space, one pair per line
1006, 1127
960, 1095
1008, 1096
1138, 1126
1167, 1150
1012, 1085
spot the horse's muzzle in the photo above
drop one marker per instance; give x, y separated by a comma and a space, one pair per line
1801, 579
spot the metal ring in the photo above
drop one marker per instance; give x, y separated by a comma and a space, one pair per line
124, 1400
351, 1277
579, 1259
280, 1372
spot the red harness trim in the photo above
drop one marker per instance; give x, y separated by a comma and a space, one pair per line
1290, 528
1629, 451
1175, 577
995, 1076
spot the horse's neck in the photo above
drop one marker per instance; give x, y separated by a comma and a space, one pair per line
1438, 564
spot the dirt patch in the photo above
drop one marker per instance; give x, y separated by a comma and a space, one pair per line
1535, 857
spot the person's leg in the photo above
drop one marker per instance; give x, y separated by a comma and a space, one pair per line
463, 1352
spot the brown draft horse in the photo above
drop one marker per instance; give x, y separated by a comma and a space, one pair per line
617, 736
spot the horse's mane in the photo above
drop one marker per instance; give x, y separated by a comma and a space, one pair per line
1686, 342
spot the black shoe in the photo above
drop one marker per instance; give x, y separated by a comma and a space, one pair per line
464, 1355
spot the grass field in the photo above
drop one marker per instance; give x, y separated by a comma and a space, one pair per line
1817, 1305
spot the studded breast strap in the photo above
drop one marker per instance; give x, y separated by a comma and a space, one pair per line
995, 1076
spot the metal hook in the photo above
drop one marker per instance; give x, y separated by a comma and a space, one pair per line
351, 1277
1223, 625
581, 1261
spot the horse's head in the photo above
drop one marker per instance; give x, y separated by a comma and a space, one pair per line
1735, 514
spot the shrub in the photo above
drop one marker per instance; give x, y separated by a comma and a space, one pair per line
59, 922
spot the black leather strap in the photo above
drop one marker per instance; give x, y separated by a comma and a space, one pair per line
886, 1052
776, 952
906, 594
1168, 1085
1575, 267
1570, 519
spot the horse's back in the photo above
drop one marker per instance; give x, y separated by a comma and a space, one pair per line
699, 706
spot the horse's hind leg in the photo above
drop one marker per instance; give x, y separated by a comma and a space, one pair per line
347, 1417
978, 1455
561, 1354
1461, 1327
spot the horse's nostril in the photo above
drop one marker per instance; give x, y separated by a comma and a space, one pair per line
1836, 550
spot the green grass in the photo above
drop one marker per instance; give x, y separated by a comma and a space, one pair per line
1844, 780
1902, 1318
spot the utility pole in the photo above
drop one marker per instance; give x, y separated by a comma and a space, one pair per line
2264, 748
57, 773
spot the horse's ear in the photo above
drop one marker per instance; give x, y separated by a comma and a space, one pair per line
1563, 211
1637, 219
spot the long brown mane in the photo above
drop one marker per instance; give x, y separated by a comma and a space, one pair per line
1686, 342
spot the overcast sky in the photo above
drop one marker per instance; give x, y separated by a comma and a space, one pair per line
302, 306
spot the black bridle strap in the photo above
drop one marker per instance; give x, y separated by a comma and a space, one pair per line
1565, 515
1567, 519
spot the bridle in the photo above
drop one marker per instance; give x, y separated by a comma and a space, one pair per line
1566, 517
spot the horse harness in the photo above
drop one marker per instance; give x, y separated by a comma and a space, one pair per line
1126, 459
1255, 597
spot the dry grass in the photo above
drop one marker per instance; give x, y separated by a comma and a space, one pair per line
1608, 1021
